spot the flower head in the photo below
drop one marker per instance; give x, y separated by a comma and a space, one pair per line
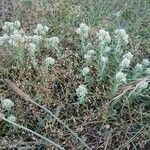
46, 28
41, 30
12, 43
83, 30
53, 42
91, 52
32, 47
36, 39
128, 55
121, 34
81, 91
125, 63
88, 56
85, 71
121, 77
104, 36
138, 67
145, 62
9, 27
7, 104
17, 37
49, 61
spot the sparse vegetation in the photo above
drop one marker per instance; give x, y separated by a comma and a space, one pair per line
74, 74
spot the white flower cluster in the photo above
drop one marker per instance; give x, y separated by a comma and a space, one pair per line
81, 92
52, 42
89, 55
121, 77
85, 71
122, 35
128, 55
145, 62
41, 30
13, 36
104, 36
32, 48
7, 104
36, 39
49, 61
16, 38
138, 67
10, 26
125, 63
83, 30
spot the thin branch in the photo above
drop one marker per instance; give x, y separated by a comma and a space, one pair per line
35, 133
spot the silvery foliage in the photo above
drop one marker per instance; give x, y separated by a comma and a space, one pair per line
101, 55
15, 38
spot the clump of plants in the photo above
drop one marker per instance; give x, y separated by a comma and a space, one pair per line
102, 63
112, 64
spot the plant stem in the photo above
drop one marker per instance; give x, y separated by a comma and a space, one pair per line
71, 131
35, 133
